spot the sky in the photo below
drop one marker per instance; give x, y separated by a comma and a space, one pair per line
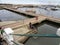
30, 1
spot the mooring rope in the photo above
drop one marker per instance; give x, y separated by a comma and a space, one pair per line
38, 35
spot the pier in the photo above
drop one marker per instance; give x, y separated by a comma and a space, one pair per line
22, 26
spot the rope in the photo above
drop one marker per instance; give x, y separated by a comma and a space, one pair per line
38, 35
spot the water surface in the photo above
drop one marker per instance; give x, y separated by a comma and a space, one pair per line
55, 14
44, 29
10, 16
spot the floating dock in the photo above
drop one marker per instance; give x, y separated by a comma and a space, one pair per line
22, 27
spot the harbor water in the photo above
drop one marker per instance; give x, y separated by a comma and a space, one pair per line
44, 29
6, 15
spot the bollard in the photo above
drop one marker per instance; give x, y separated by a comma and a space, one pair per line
58, 32
7, 36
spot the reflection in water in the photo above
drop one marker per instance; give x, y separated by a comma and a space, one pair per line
44, 29
10, 16
55, 14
